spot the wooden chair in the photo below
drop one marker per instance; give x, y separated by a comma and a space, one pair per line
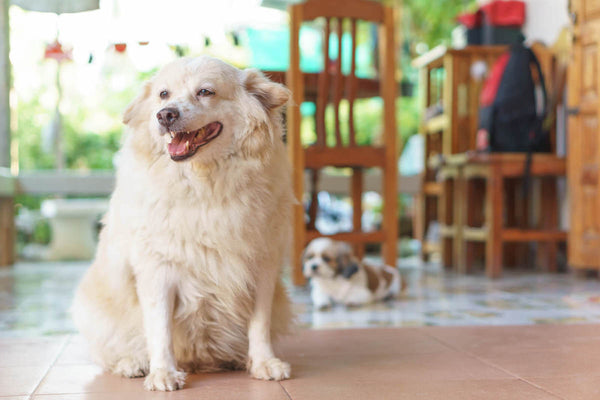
482, 201
333, 86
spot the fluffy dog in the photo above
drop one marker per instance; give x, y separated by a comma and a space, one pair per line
338, 276
187, 272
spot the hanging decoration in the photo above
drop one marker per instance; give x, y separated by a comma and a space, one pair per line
120, 47
56, 52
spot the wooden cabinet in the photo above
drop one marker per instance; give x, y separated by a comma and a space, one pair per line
584, 143
451, 82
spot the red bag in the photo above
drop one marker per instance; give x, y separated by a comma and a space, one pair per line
504, 13
471, 20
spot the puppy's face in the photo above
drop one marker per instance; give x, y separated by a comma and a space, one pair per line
326, 258
204, 110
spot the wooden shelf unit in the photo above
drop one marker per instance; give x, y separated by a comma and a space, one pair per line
448, 79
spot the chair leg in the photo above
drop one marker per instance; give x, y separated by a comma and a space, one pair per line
7, 231
357, 191
459, 222
473, 204
313, 209
511, 258
547, 252
445, 207
494, 214
390, 214
420, 221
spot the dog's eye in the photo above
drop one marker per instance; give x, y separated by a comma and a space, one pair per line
164, 94
204, 92
326, 259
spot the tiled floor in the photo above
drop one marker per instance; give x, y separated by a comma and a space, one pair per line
527, 362
555, 353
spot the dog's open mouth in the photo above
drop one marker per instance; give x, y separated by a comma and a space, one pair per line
185, 144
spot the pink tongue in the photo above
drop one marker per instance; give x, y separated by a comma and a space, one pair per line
177, 145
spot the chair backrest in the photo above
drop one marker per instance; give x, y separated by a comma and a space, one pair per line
548, 64
332, 85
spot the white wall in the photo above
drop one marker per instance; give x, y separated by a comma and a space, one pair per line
544, 19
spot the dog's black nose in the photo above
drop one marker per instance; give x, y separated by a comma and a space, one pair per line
167, 116
314, 267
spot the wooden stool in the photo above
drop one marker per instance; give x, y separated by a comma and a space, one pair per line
495, 169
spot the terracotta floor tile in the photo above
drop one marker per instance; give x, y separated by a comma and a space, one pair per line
16, 381
549, 363
391, 367
572, 388
360, 341
516, 339
499, 389
30, 352
95, 384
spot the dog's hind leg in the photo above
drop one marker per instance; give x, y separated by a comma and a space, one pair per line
109, 318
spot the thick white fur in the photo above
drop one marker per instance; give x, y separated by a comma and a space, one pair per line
323, 262
187, 272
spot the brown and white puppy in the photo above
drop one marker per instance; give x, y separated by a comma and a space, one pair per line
187, 272
338, 276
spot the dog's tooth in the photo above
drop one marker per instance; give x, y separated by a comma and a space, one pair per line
187, 145
172, 135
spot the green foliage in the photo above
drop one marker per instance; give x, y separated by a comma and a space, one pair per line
88, 150
430, 21
32, 117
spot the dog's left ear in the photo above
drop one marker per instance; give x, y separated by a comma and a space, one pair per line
350, 270
270, 94
346, 265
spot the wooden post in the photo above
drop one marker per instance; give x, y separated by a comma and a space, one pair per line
7, 223
296, 155
4, 86
390, 175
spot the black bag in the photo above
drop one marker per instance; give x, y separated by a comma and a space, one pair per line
508, 117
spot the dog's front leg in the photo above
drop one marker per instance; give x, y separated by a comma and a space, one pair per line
156, 293
262, 362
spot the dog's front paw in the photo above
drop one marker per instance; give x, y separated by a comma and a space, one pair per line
131, 367
271, 369
164, 379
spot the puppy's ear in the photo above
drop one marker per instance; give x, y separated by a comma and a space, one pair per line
347, 264
350, 270
132, 111
270, 94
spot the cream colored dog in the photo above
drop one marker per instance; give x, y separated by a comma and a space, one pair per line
338, 276
187, 271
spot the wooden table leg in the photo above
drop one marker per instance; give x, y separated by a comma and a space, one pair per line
7, 231
445, 207
460, 212
494, 214
357, 191
547, 252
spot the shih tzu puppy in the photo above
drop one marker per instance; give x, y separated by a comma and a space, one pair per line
338, 276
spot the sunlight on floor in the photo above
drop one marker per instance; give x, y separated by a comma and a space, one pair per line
35, 300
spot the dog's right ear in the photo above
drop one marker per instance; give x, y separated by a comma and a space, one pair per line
271, 95
133, 110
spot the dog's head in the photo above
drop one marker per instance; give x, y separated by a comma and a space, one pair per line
204, 110
328, 258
